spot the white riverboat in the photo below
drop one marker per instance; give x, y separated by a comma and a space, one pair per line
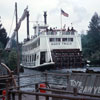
52, 48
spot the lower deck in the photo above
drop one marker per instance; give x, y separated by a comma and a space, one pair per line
56, 59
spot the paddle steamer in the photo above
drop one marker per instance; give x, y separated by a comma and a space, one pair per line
52, 48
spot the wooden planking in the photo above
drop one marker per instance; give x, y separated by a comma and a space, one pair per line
85, 83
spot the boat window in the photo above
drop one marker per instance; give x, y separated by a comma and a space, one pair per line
26, 58
64, 39
32, 45
35, 57
55, 39
58, 39
32, 58
42, 57
70, 39
51, 39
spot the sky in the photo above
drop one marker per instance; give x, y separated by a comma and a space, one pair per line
80, 14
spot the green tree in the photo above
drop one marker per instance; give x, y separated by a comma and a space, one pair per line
12, 59
94, 33
91, 41
1, 45
3, 37
9, 58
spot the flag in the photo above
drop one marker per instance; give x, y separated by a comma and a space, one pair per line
24, 14
9, 44
64, 13
22, 18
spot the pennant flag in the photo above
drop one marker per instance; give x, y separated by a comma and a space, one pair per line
64, 13
9, 44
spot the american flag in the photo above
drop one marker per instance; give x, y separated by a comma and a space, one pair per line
64, 13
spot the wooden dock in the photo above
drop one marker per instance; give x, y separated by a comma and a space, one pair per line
80, 86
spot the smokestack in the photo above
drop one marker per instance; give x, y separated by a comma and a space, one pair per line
45, 17
28, 25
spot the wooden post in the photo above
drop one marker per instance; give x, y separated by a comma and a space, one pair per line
7, 85
36, 87
37, 97
67, 81
0, 55
18, 58
8, 96
75, 91
47, 98
13, 96
46, 78
19, 96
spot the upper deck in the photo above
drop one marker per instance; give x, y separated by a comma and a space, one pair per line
45, 38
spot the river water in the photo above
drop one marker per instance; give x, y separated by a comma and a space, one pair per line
40, 77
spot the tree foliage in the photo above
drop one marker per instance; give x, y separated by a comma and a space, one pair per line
3, 37
12, 60
9, 58
91, 41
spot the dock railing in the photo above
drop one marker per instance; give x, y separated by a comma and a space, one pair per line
65, 92
47, 96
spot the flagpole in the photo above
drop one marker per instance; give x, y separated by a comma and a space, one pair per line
64, 14
61, 20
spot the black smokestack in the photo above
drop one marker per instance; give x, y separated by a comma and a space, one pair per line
45, 17
28, 25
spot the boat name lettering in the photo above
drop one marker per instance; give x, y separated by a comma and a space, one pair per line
89, 89
61, 43
75, 83
84, 89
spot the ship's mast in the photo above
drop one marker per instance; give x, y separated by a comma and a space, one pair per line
15, 33
18, 58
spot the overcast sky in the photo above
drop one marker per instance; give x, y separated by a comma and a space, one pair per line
80, 13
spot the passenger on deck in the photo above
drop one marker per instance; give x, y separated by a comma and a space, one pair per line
46, 29
68, 29
51, 30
